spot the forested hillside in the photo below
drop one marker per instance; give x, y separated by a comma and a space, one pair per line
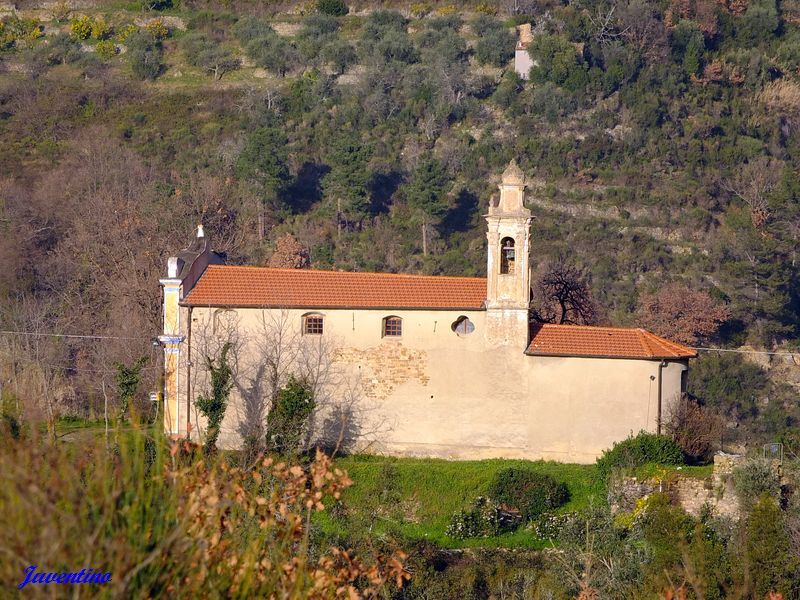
661, 141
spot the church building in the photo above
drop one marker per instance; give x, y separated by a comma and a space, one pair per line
413, 365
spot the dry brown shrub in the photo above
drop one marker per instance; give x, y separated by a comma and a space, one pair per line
694, 428
782, 97
289, 254
166, 523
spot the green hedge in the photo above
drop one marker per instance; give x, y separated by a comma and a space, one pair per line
639, 450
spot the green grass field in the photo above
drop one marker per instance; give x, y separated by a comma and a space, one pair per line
415, 498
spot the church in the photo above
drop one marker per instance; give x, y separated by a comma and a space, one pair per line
413, 365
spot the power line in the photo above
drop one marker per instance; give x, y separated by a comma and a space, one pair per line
122, 337
778, 353
72, 335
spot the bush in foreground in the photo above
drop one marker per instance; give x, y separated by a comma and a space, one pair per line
164, 522
639, 450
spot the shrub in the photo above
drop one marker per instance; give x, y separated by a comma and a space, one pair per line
288, 416
124, 33
496, 44
128, 379
100, 29
106, 49
769, 552
248, 29
694, 428
420, 9
528, 492
549, 526
336, 8
144, 55
63, 50
13, 30
157, 29
754, 479
484, 519
640, 450
81, 27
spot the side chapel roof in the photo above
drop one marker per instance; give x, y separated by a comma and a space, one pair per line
603, 342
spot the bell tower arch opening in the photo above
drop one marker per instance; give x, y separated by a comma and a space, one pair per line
507, 256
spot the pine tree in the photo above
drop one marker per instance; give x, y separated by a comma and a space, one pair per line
346, 183
425, 196
263, 164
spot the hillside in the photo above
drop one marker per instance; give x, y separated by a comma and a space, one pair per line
660, 141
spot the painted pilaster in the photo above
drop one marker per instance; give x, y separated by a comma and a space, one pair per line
171, 340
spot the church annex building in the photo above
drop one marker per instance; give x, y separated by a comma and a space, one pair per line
421, 365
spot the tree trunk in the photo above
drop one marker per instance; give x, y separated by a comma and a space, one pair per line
105, 410
338, 218
262, 225
424, 238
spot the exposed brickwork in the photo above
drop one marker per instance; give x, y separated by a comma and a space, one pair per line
386, 366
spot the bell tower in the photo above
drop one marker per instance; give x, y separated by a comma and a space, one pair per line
508, 274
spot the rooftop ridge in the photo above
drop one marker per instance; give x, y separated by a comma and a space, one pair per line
375, 273
609, 327
642, 338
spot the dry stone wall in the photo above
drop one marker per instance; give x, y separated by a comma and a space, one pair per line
690, 493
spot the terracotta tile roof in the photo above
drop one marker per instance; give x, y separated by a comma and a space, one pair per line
259, 286
605, 342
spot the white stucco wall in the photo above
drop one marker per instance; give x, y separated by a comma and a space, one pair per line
432, 392
522, 63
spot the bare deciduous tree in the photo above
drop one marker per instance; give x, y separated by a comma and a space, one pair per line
752, 183
519, 7
643, 29
605, 26
561, 294
265, 353
682, 314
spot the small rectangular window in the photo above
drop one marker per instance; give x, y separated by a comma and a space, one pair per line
392, 326
313, 325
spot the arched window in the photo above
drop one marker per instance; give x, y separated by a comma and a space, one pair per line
392, 327
313, 324
463, 326
507, 256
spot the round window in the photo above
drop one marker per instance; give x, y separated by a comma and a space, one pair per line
463, 326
